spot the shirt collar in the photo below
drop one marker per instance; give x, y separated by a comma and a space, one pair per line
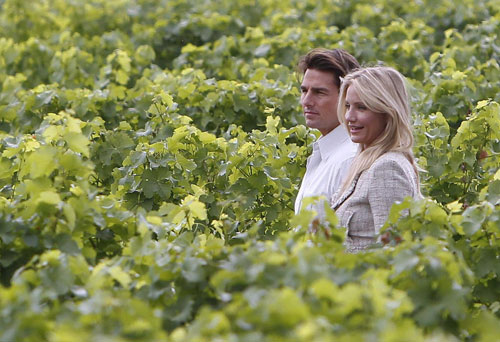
327, 144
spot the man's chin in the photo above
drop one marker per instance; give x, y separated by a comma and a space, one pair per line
311, 124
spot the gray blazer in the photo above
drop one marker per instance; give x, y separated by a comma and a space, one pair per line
364, 207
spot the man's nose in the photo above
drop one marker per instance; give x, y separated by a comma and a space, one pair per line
306, 99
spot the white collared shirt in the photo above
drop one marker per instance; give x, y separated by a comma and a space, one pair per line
327, 167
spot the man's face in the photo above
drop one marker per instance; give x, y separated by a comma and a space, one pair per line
319, 100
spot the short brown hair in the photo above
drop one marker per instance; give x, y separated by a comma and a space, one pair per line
337, 61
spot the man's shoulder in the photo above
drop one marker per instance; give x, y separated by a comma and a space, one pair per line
337, 146
344, 152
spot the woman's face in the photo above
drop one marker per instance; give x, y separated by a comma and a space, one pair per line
364, 125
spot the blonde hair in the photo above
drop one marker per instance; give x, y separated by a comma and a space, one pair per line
382, 90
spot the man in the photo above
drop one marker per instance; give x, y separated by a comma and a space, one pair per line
333, 152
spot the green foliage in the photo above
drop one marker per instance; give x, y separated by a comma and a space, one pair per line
150, 154
460, 166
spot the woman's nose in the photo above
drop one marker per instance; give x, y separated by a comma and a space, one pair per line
349, 115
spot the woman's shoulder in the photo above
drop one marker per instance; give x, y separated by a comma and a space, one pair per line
394, 163
391, 158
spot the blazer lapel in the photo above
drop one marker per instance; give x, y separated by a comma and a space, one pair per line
346, 193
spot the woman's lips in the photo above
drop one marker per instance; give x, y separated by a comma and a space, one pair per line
355, 129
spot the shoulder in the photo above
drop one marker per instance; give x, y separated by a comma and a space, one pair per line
389, 168
392, 161
341, 154
337, 146
392, 170
389, 158
344, 153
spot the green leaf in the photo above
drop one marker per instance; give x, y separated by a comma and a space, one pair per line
196, 207
121, 77
70, 215
473, 218
286, 308
67, 245
77, 142
405, 261
324, 289
121, 276
493, 195
49, 197
41, 162
145, 54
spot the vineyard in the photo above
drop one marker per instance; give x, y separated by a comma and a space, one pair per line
151, 152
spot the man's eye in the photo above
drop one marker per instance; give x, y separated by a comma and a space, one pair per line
347, 105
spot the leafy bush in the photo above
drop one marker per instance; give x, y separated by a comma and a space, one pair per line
151, 151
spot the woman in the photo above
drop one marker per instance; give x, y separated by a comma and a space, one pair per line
373, 106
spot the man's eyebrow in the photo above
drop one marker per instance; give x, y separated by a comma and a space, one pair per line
315, 88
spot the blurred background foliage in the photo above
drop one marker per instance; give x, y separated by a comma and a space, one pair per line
151, 152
